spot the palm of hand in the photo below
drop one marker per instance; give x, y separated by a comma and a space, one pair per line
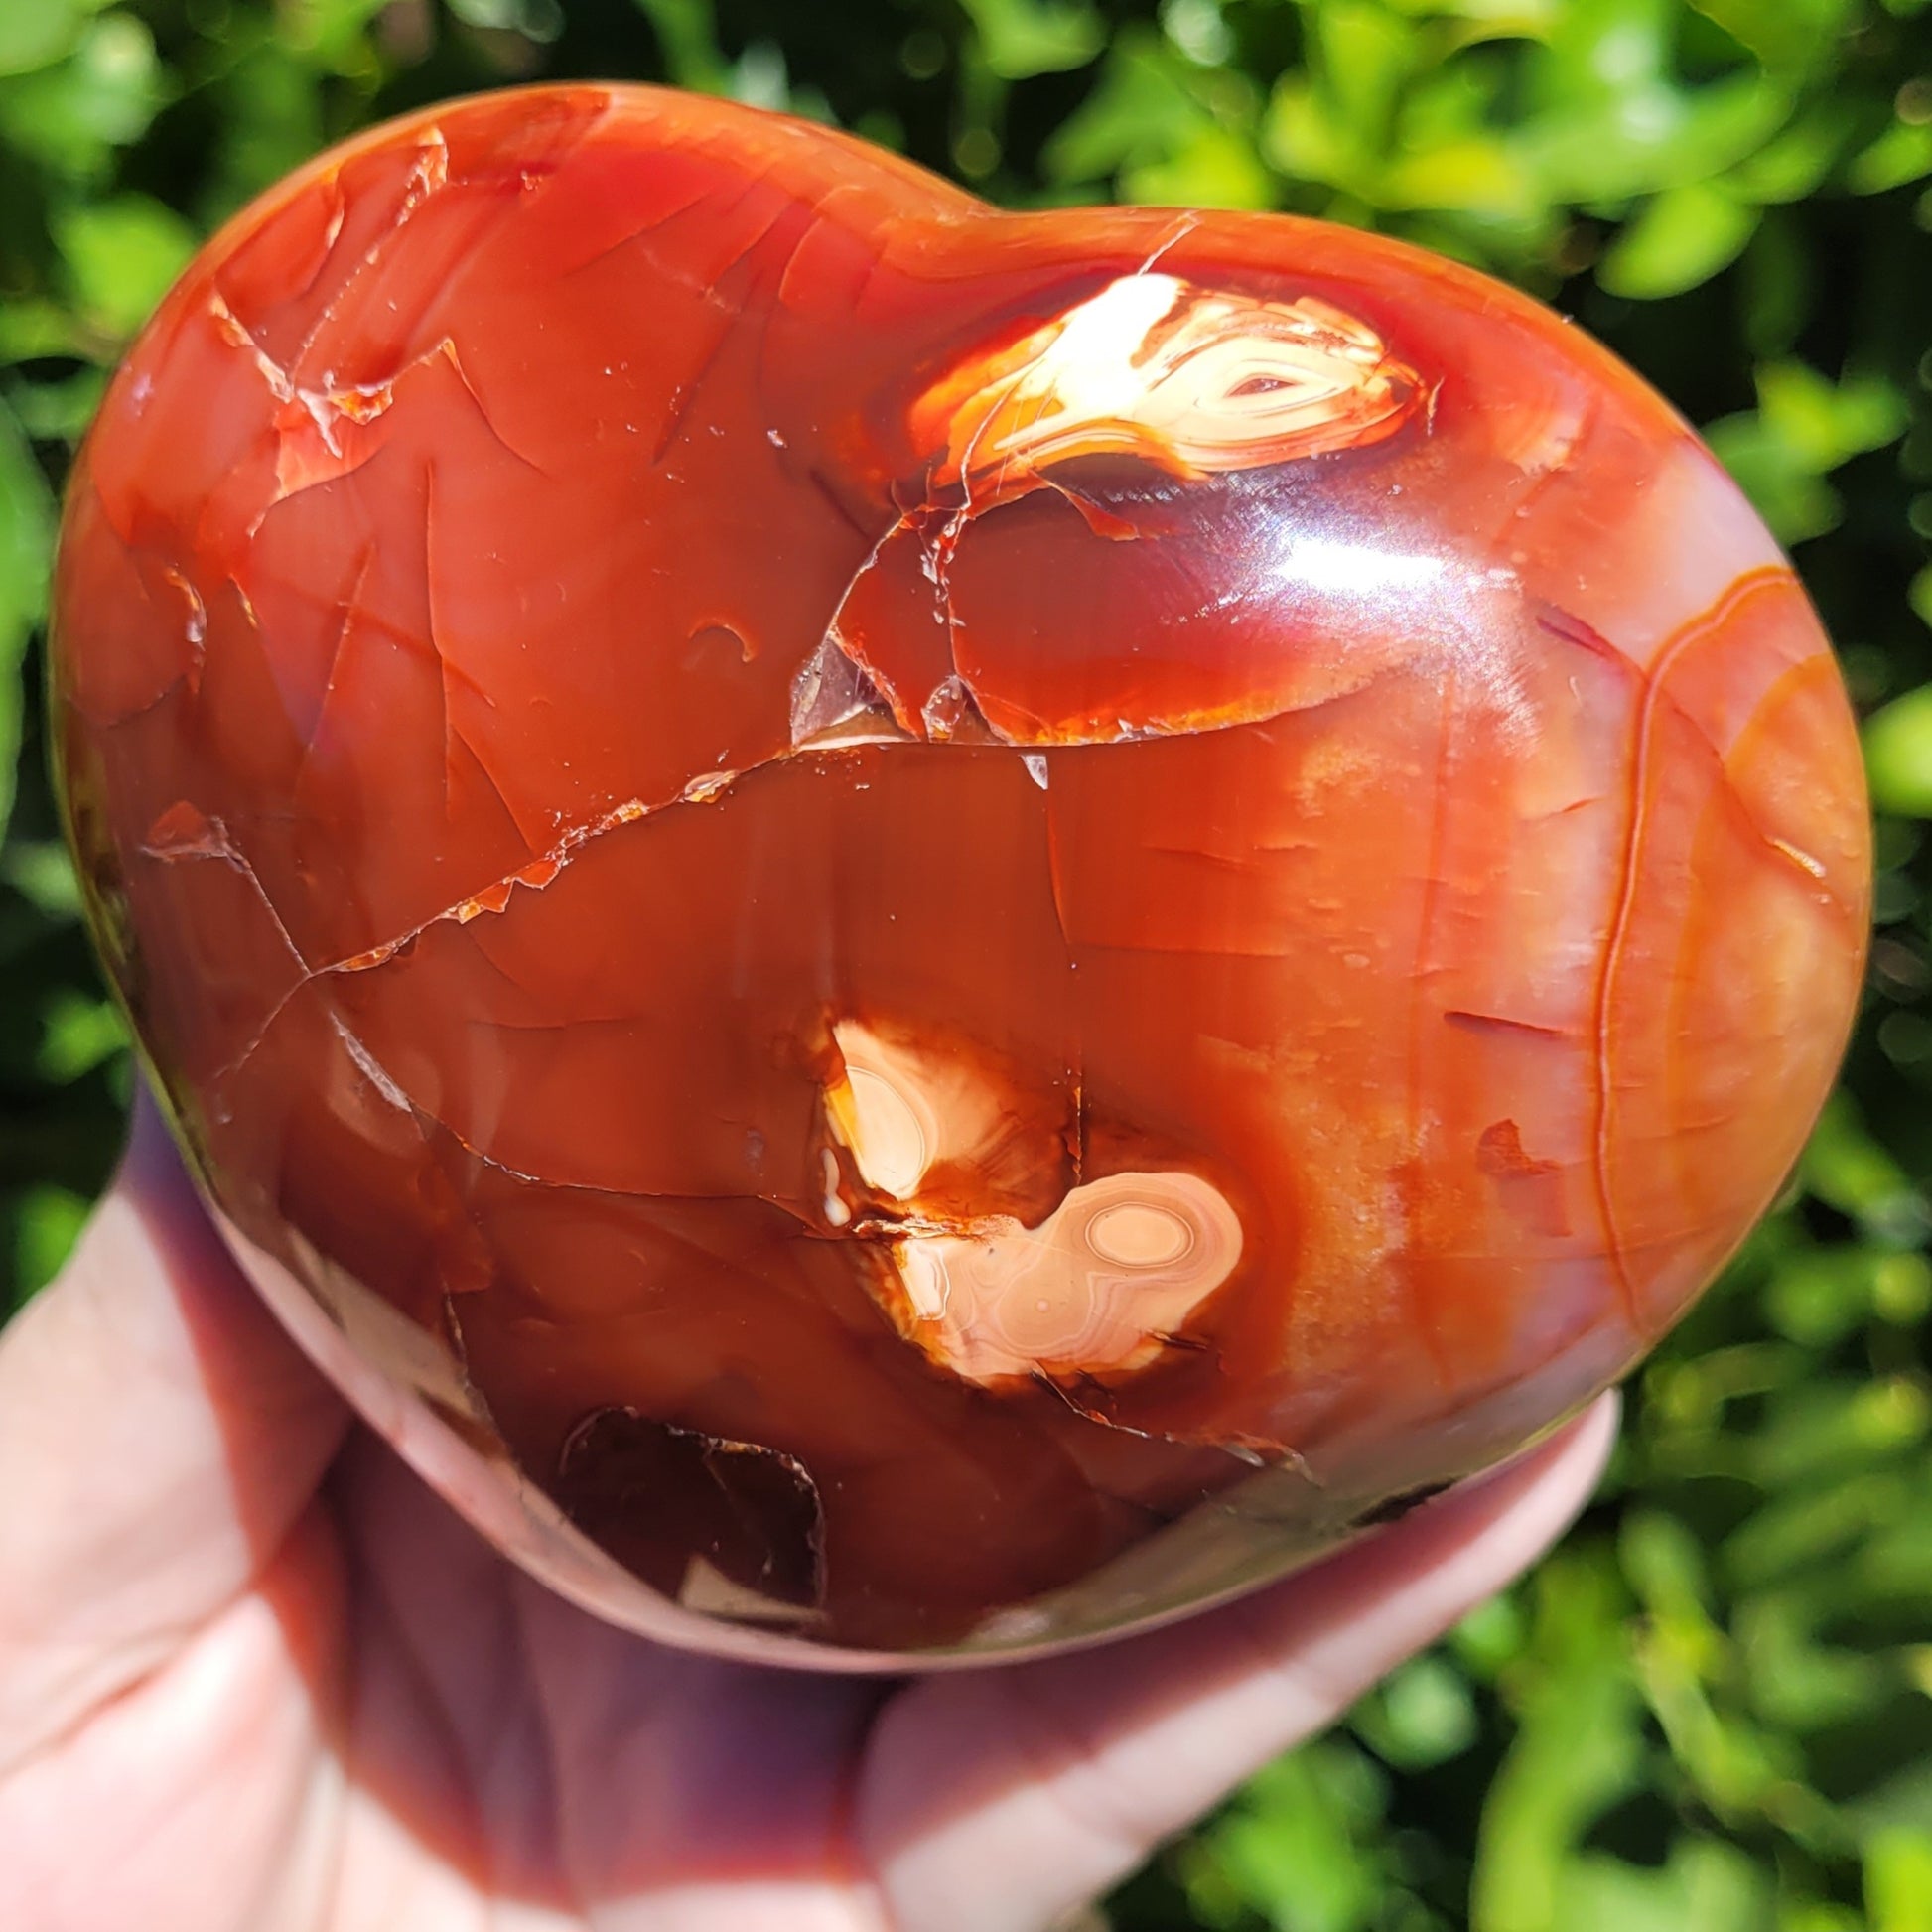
255, 1678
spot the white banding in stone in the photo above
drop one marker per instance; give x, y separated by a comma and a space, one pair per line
1123, 1262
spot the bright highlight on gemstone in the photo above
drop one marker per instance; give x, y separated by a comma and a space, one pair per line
913, 932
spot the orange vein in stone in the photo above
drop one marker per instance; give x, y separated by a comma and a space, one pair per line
1711, 618
1625, 897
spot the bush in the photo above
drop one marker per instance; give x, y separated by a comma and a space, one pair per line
1712, 1708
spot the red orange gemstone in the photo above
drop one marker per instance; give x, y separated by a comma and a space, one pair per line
974, 925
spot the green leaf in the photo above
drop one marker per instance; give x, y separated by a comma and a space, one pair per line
536, 20
30, 329
79, 1033
1146, 123
1485, 17
122, 255
1019, 39
1898, 1881
1301, 136
1777, 292
331, 35
1603, 50
1422, 1716
26, 538
75, 116
1578, 1749
1292, 1847
1210, 168
687, 35
1806, 1528
1783, 32
42, 873
1641, 140
47, 1223
1366, 56
1705, 1886
1851, 1169
1199, 29
1902, 153
1796, 1682
1805, 425
36, 32
1681, 238
1818, 1295
1829, 423
1490, 1635
1899, 754
1798, 161
1475, 174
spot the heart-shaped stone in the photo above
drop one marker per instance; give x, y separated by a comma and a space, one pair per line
974, 925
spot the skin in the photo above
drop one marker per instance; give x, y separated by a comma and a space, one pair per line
253, 1675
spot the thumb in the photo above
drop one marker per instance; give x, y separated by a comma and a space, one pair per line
159, 1438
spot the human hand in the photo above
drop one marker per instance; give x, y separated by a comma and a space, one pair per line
254, 1677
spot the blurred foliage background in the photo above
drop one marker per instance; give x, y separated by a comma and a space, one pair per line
1711, 1710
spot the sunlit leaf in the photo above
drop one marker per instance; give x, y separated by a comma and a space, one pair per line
79, 1033
41, 871
1899, 754
535, 19
1291, 1848
1805, 427
75, 116
1797, 161
1683, 238
1479, 175
1657, 137
1898, 1881
1366, 54
1704, 1885
37, 33
122, 255
1424, 1715
1210, 167
1146, 123
1783, 32
1902, 153
1301, 136
1021, 38
1578, 1749
45, 1222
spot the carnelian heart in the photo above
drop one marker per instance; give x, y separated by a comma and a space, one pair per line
974, 924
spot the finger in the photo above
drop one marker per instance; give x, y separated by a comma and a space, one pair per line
1001, 1800
694, 1793
159, 1436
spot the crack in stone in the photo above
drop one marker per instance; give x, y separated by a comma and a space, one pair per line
184, 832
493, 897
350, 610
332, 414
397, 1096
1184, 224
1250, 1450
427, 178
448, 673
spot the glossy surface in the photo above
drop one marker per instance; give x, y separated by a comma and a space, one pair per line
978, 925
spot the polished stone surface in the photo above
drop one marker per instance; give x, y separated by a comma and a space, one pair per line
975, 925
